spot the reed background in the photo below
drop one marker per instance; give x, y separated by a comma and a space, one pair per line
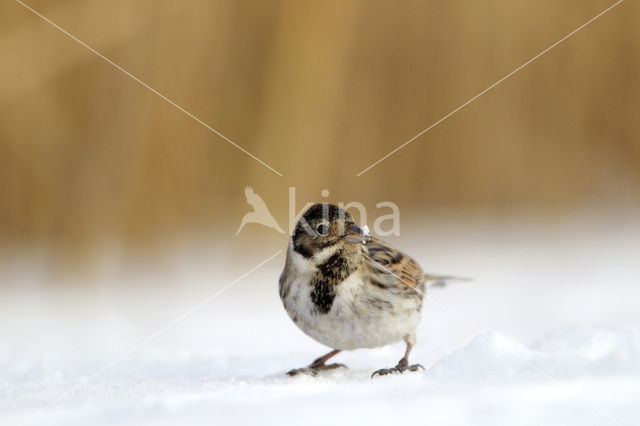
319, 91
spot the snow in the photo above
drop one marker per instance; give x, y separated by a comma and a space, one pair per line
547, 333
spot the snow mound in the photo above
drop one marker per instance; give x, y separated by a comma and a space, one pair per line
581, 352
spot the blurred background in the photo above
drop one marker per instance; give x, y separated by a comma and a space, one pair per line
118, 212
319, 91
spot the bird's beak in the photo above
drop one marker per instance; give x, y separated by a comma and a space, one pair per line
354, 234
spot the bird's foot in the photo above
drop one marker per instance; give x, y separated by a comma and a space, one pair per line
400, 368
313, 369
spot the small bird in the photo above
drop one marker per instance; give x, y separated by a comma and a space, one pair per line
260, 213
348, 290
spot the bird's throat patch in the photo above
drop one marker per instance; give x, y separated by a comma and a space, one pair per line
330, 274
323, 294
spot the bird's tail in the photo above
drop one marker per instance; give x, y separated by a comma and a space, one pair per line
433, 280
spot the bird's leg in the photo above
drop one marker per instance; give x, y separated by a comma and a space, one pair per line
318, 365
402, 365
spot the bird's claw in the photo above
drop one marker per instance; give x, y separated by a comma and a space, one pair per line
398, 368
305, 370
313, 370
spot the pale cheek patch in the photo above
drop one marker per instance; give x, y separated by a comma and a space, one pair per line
325, 253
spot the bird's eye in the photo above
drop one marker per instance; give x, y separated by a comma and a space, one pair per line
322, 229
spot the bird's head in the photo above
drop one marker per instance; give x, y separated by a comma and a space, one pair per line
325, 225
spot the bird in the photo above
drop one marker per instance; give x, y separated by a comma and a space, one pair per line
260, 213
348, 290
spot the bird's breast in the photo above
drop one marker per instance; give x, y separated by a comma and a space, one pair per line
358, 317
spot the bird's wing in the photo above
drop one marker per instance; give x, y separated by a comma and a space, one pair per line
254, 199
390, 267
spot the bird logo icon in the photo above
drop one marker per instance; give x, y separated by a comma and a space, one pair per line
260, 213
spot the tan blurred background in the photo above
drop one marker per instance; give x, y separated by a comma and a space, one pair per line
319, 91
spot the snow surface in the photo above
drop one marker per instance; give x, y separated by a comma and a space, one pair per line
547, 333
